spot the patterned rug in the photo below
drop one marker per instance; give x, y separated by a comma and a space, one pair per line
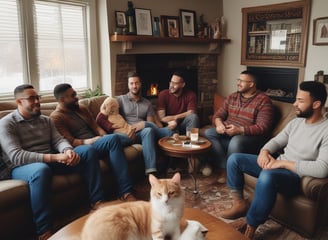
213, 197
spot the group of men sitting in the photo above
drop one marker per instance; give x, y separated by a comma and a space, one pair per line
35, 146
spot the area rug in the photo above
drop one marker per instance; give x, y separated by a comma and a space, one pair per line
213, 197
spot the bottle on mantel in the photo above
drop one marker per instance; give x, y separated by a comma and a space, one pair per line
131, 19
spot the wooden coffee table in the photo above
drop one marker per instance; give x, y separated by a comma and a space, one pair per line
217, 229
177, 148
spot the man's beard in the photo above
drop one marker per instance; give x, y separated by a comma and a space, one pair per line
306, 113
73, 106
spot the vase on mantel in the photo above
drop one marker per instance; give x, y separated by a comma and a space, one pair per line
131, 19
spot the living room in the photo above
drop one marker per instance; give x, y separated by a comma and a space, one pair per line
225, 55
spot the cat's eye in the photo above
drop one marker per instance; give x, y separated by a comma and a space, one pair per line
159, 193
171, 193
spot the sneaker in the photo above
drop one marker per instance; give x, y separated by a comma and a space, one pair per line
206, 170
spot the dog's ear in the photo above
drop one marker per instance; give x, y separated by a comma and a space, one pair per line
104, 107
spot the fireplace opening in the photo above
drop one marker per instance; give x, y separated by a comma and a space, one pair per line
278, 83
156, 70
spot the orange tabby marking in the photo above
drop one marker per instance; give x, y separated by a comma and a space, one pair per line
161, 218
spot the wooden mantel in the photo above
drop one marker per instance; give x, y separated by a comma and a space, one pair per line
128, 40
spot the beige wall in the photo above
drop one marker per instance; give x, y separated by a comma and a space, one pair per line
230, 57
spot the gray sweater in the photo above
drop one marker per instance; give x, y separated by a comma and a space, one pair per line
25, 141
306, 144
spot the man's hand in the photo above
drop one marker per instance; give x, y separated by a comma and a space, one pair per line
220, 129
73, 158
139, 125
232, 130
265, 160
172, 124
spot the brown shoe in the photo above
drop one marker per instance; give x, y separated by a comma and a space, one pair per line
239, 209
128, 197
250, 232
44, 236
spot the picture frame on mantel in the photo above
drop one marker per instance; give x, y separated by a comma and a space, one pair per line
170, 25
120, 18
143, 21
188, 23
320, 31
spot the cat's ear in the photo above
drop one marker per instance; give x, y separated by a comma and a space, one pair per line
176, 178
152, 179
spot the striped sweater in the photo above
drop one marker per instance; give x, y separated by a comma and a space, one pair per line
255, 114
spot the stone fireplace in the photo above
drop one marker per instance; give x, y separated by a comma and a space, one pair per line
156, 70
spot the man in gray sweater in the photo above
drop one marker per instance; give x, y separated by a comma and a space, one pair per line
305, 144
33, 151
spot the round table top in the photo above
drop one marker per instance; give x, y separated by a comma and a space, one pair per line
178, 146
217, 229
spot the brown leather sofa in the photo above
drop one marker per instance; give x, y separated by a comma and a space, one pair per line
70, 199
306, 213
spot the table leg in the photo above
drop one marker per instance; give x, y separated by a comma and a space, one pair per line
193, 162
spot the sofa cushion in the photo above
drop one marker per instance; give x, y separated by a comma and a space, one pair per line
285, 112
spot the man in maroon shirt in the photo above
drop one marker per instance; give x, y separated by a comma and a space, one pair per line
242, 124
177, 106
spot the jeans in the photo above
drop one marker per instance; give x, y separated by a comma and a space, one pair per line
147, 138
39, 178
269, 183
159, 132
191, 121
223, 145
110, 147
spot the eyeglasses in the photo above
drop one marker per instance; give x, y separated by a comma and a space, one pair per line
243, 81
175, 83
32, 98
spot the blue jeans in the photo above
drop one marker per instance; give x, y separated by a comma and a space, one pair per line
159, 132
146, 137
269, 183
39, 178
110, 147
223, 145
191, 121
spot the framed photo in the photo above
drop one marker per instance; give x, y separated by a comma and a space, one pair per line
188, 24
170, 26
173, 29
143, 21
120, 19
320, 31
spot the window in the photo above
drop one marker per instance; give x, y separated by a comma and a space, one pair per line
45, 42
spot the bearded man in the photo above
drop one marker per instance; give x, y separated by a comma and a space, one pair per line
242, 125
305, 144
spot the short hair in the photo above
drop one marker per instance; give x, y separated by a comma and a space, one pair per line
60, 89
180, 74
317, 90
252, 74
19, 89
133, 74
